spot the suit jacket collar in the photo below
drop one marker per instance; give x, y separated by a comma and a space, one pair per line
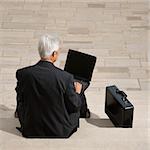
43, 63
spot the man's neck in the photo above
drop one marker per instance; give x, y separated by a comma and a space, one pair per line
47, 59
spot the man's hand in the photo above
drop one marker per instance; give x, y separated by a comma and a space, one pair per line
78, 87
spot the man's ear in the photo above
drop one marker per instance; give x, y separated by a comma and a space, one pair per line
54, 53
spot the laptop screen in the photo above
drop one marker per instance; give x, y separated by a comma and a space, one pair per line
79, 64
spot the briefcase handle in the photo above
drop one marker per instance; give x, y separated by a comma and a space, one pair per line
124, 95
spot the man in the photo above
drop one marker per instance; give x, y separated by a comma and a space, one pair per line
48, 99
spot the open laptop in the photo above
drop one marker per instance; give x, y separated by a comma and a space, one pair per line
81, 65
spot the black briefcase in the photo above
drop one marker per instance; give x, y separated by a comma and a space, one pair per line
118, 108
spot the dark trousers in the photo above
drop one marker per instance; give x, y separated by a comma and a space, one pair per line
84, 107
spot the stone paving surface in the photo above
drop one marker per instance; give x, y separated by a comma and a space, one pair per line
116, 31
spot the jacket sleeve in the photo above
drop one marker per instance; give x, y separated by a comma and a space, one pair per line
20, 101
72, 99
19, 86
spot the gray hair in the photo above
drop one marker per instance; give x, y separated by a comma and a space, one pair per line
48, 44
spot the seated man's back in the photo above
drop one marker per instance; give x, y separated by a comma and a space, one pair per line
47, 103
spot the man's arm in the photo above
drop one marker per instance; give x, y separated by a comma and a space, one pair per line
20, 105
18, 87
72, 96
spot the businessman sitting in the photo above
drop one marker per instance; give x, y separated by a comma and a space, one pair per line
48, 99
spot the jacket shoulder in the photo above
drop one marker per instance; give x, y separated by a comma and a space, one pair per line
20, 72
63, 73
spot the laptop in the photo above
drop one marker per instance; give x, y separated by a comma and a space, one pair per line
81, 65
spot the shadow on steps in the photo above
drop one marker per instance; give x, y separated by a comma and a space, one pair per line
99, 122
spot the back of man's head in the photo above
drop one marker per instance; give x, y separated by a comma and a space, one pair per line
48, 44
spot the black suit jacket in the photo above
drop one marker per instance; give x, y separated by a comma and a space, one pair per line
47, 103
